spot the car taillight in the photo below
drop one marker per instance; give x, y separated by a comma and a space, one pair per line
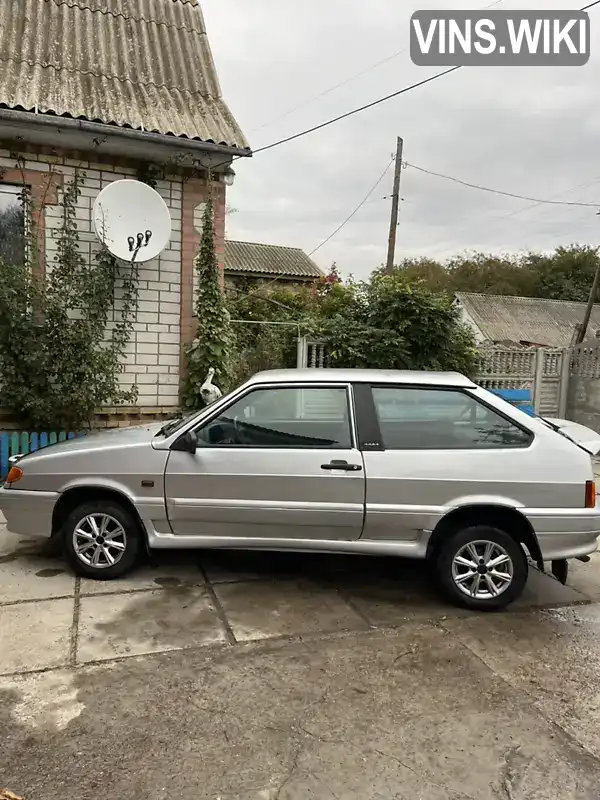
14, 474
590, 494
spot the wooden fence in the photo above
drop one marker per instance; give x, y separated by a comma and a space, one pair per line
14, 443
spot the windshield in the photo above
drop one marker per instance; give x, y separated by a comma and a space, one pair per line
175, 424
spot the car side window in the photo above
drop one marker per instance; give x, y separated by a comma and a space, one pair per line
290, 417
414, 418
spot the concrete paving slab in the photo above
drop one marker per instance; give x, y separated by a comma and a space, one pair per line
367, 716
554, 655
544, 591
113, 626
392, 591
26, 573
262, 610
585, 578
169, 570
35, 635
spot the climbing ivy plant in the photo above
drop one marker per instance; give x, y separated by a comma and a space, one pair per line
213, 340
62, 342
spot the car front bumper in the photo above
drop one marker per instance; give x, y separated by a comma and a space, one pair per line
28, 513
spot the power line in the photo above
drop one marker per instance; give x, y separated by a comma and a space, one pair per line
533, 200
356, 110
330, 90
343, 83
358, 207
554, 196
374, 103
391, 96
449, 244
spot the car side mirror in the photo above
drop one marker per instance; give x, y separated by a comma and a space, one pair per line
188, 443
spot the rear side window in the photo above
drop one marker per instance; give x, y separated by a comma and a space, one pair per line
415, 418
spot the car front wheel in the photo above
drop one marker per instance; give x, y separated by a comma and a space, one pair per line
482, 568
102, 540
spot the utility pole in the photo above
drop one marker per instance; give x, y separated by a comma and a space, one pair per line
582, 329
395, 203
588, 310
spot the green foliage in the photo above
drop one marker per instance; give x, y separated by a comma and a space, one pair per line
213, 341
56, 362
385, 323
12, 237
388, 323
565, 274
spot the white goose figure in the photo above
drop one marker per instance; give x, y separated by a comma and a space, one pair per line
208, 390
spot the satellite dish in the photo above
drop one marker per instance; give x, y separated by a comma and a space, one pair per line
132, 220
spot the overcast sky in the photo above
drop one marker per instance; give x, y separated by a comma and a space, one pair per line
530, 131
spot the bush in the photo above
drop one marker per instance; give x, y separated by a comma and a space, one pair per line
57, 364
384, 323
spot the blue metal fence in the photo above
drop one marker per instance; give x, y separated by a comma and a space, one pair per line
521, 398
15, 443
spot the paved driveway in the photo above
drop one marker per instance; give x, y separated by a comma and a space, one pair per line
270, 677
51, 619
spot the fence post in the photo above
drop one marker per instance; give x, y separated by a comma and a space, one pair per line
301, 352
563, 386
538, 377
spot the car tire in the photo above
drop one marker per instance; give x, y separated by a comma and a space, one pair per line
102, 540
460, 569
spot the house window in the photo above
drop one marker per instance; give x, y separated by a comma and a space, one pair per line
12, 225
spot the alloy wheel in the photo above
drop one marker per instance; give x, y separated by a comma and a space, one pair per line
482, 569
99, 541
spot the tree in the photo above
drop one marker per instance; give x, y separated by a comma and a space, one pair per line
385, 323
389, 323
567, 274
212, 343
432, 273
490, 274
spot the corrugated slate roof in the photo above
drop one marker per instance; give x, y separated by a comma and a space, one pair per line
143, 64
269, 259
527, 319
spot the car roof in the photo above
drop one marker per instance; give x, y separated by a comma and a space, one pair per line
328, 375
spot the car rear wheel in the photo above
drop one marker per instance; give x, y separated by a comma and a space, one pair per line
482, 568
102, 540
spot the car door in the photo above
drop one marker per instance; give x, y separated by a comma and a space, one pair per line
280, 462
437, 447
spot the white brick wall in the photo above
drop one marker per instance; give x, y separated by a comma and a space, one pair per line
152, 360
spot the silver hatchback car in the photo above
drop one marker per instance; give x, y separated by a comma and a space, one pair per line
422, 465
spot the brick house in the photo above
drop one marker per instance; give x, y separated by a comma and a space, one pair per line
109, 87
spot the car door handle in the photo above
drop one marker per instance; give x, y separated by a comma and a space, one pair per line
343, 465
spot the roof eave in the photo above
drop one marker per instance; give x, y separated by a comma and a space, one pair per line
83, 134
284, 276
